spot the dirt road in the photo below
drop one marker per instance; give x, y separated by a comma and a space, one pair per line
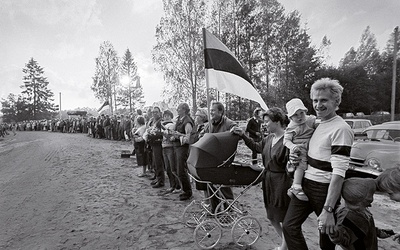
70, 191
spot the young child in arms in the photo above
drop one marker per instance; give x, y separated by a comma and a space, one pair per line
296, 138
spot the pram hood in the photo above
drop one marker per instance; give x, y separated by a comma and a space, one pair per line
213, 150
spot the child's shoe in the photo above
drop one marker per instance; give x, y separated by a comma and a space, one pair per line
298, 192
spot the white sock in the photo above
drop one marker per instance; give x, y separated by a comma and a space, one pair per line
297, 186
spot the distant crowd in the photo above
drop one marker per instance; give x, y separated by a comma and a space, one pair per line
116, 127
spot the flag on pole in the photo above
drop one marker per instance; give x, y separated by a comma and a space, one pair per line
225, 73
102, 106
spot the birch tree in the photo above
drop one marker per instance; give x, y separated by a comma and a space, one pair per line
106, 77
178, 53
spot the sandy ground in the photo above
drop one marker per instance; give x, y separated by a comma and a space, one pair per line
69, 191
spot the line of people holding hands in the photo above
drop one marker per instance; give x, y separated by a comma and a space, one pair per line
305, 166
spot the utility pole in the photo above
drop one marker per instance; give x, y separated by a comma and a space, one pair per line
129, 89
60, 106
393, 106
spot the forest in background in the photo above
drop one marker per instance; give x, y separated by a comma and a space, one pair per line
273, 47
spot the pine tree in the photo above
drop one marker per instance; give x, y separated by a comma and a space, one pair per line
36, 93
131, 92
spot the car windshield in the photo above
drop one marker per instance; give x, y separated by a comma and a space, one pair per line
382, 134
350, 123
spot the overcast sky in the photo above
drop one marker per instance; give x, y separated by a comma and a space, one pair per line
64, 38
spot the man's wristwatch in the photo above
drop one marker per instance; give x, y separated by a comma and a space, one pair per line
329, 209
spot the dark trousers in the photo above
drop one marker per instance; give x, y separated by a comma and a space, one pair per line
226, 193
115, 133
107, 134
157, 157
299, 211
254, 153
170, 167
93, 128
181, 155
121, 135
254, 157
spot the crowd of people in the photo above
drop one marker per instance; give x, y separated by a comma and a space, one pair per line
102, 127
304, 163
162, 142
70, 125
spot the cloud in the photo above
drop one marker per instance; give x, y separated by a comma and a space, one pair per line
151, 80
65, 50
143, 7
341, 21
360, 13
71, 13
11, 80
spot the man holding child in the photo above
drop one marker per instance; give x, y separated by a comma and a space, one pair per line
328, 160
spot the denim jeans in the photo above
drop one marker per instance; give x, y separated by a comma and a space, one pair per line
158, 162
299, 211
170, 167
181, 156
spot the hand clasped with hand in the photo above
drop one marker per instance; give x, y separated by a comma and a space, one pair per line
237, 131
326, 223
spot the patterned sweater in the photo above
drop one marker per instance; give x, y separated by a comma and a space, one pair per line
329, 150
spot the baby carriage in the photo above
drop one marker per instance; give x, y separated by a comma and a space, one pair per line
211, 162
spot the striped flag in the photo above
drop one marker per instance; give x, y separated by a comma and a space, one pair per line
225, 73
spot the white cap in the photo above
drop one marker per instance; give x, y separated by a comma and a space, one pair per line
293, 105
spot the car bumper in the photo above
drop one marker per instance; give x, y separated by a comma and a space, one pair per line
364, 170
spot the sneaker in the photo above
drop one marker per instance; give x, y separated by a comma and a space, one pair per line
158, 185
289, 193
175, 191
154, 182
299, 193
256, 167
168, 191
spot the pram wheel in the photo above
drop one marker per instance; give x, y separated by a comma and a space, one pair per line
207, 234
246, 231
193, 214
227, 213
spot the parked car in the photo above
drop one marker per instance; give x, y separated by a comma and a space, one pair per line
360, 114
348, 115
379, 151
358, 125
380, 113
392, 122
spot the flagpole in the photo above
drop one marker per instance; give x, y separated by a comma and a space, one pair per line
207, 84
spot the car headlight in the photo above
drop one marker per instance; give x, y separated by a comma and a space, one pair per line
374, 163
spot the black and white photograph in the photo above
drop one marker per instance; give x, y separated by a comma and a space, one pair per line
199, 124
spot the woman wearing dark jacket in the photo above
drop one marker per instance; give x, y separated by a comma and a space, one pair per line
274, 156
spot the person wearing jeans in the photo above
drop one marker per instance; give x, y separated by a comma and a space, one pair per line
183, 129
153, 136
168, 152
